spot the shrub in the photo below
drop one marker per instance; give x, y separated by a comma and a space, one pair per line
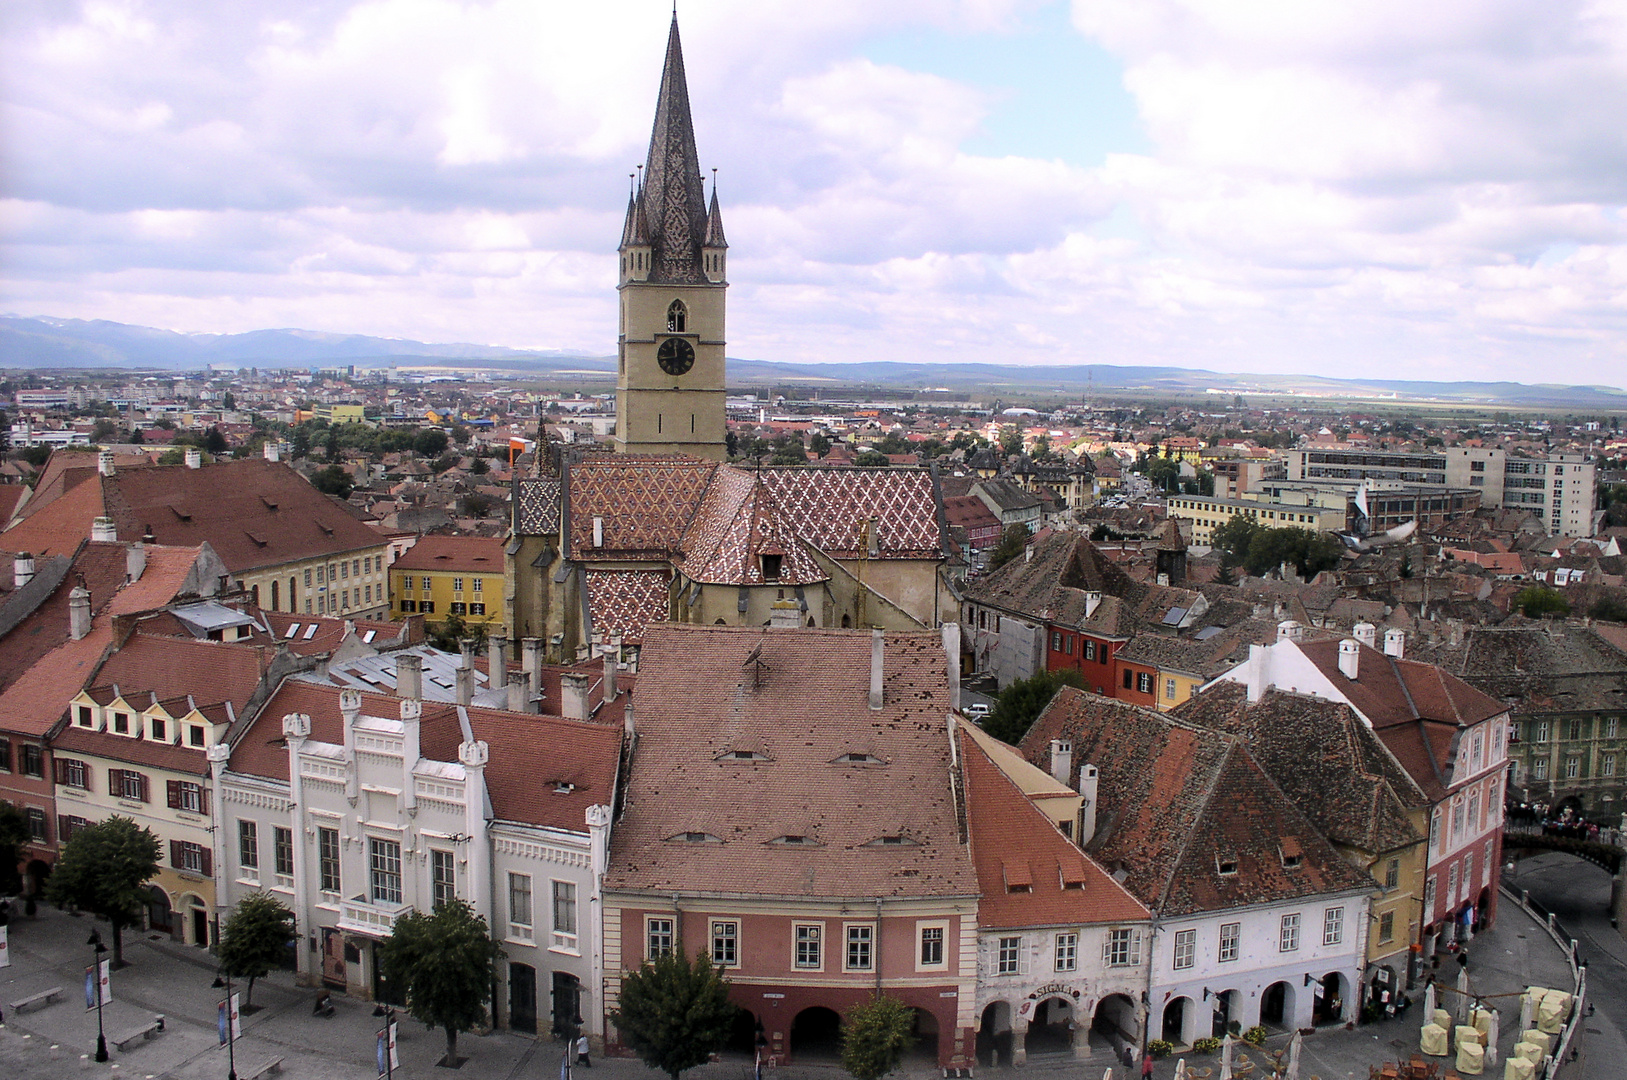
1159, 1048
1255, 1036
1205, 1046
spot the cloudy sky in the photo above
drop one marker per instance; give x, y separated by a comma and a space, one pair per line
1390, 188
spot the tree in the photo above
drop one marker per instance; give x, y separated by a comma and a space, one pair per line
444, 963
1012, 542
675, 1012
334, 481
430, 442
1011, 440
1537, 600
818, 444
255, 939
1609, 608
214, 442
229, 403
460, 435
875, 1035
102, 869
873, 459
1020, 703
480, 466
103, 431
13, 835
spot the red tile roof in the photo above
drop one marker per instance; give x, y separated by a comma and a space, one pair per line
210, 671
1011, 840
37, 698
454, 554
743, 732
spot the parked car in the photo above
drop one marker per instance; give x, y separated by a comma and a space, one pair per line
977, 712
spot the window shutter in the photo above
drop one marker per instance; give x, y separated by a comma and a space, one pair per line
144, 794
61, 770
208, 862
173, 787
1107, 950
115, 782
175, 859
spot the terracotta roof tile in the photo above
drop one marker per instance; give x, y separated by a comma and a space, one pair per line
457, 554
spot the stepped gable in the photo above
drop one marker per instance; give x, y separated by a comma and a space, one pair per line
626, 601
1008, 831
742, 736
739, 520
644, 503
1323, 757
1176, 801
831, 507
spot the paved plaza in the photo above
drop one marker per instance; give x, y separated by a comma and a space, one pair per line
58, 1040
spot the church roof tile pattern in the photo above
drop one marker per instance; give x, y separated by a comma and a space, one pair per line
673, 196
626, 601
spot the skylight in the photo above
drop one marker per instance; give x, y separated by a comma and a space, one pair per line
293, 628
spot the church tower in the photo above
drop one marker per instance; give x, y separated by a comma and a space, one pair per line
669, 372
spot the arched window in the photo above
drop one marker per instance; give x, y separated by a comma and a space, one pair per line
275, 588
677, 316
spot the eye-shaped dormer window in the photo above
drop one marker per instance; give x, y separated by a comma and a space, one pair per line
677, 316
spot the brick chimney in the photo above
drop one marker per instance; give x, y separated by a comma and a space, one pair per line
877, 650
409, 676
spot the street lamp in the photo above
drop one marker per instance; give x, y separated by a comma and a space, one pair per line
95, 943
223, 980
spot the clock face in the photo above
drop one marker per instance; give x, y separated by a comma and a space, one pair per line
676, 356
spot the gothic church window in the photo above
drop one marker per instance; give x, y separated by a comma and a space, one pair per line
677, 315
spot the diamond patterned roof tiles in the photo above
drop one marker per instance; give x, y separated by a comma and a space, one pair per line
625, 601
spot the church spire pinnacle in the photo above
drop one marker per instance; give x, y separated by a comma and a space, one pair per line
673, 194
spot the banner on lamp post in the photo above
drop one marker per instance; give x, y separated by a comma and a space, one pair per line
222, 1011
105, 984
5, 948
388, 1060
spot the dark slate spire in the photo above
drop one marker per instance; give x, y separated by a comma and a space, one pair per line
714, 220
674, 197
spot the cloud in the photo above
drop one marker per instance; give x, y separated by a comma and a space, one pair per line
1377, 187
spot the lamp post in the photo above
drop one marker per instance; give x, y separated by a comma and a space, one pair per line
223, 980
95, 943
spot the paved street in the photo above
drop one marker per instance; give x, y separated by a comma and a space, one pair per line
57, 1041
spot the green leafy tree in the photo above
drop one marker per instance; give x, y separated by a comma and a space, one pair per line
788, 451
444, 963
1012, 543
818, 444
480, 466
333, 480
102, 869
460, 435
1011, 439
1609, 608
675, 1012
430, 442
229, 403
13, 835
1538, 600
873, 459
875, 1035
103, 431
255, 939
1020, 703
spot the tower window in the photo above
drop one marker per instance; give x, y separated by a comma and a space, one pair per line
677, 316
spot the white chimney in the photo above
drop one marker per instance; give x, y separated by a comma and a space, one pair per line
951, 652
103, 530
1087, 811
135, 561
271, 451
1163, 579
409, 676
1061, 760
531, 659
598, 531
1349, 655
1395, 643
573, 694
877, 649
610, 663
1092, 601
22, 570
412, 714
79, 612
104, 463
194, 458
519, 694
1290, 630
497, 661
464, 684
1366, 633
466, 652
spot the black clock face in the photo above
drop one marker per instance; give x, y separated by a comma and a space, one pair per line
676, 356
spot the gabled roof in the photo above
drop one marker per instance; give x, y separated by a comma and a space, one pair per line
738, 521
1066, 886
454, 554
211, 671
1177, 805
792, 814
1389, 691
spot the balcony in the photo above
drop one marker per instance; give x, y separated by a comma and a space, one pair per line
369, 919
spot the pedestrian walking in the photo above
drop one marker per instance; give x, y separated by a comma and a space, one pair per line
1146, 1066
582, 1052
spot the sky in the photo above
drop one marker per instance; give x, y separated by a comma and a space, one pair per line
1386, 189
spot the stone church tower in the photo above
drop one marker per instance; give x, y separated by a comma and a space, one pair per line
669, 373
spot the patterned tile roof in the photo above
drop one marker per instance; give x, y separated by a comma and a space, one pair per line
626, 601
832, 506
1176, 803
744, 739
537, 508
738, 521
643, 502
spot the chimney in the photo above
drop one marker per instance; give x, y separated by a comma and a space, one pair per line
350, 710
271, 451
409, 676
531, 659
104, 463
194, 458
1366, 633
1290, 630
79, 612
474, 757
1163, 579
785, 614
497, 661
412, 713
573, 693
951, 652
22, 570
466, 652
1092, 601
1349, 655
1087, 810
465, 681
1395, 643
877, 649
598, 531
519, 694
135, 562
1061, 760
610, 661
103, 530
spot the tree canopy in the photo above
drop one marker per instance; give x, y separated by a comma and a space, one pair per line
1539, 600
443, 963
255, 939
1260, 550
334, 481
102, 869
1012, 542
1018, 705
675, 1012
875, 1035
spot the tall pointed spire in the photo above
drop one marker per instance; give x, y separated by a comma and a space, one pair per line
674, 196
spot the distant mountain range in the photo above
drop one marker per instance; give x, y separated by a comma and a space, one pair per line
75, 343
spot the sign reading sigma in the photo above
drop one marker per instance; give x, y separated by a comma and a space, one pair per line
1026, 1010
